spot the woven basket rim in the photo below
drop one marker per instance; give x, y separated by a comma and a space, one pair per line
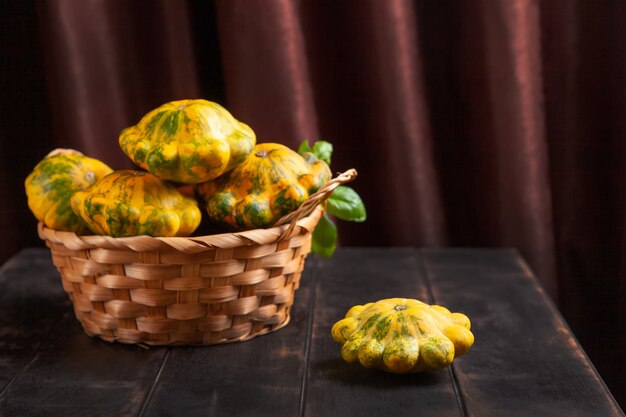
190, 244
305, 218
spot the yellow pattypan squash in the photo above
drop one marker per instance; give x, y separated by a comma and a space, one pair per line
54, 180
131, 203
402, 335
188, 141
270, 183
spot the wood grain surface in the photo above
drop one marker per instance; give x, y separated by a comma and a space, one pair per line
262, 376
335, 388
525, 361
67, 373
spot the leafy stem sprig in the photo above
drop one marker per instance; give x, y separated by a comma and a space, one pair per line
344, 203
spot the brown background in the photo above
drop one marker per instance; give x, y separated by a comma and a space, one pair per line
472, 123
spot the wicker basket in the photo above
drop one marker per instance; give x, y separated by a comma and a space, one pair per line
187, 291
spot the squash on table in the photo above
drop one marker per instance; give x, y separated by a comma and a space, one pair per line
132, 203
270, 183
188, 141
52, 183
402, 335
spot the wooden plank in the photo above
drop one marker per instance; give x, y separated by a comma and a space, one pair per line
262, 376
335, 388
32, 301
525, 360
72, 374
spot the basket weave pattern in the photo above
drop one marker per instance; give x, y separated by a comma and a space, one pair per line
187, 291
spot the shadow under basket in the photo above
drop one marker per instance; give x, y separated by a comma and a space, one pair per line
187, 290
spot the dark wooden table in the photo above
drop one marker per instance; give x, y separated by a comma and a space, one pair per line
525, 361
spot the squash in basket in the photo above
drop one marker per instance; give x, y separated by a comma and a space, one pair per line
53, 181
402, 335
270, 183
188, 141
132, 203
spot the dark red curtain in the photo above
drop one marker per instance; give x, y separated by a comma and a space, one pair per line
471, 123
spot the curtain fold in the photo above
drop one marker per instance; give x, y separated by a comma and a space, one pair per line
366, 69
398, 120
486, 123
108, 63
85, 76
585, 86
265, 69
517, 133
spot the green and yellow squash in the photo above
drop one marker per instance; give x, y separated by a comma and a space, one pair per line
270, 183
188, 141
132, 203
54, 180
401, 335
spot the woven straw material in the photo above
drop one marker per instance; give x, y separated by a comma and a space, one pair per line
187, 291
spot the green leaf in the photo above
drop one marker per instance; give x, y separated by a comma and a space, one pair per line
304, 147
346, 204
324, 240
321, 149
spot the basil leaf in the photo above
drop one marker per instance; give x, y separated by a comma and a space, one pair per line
324, 241
346, 204
323, 150
304, 147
